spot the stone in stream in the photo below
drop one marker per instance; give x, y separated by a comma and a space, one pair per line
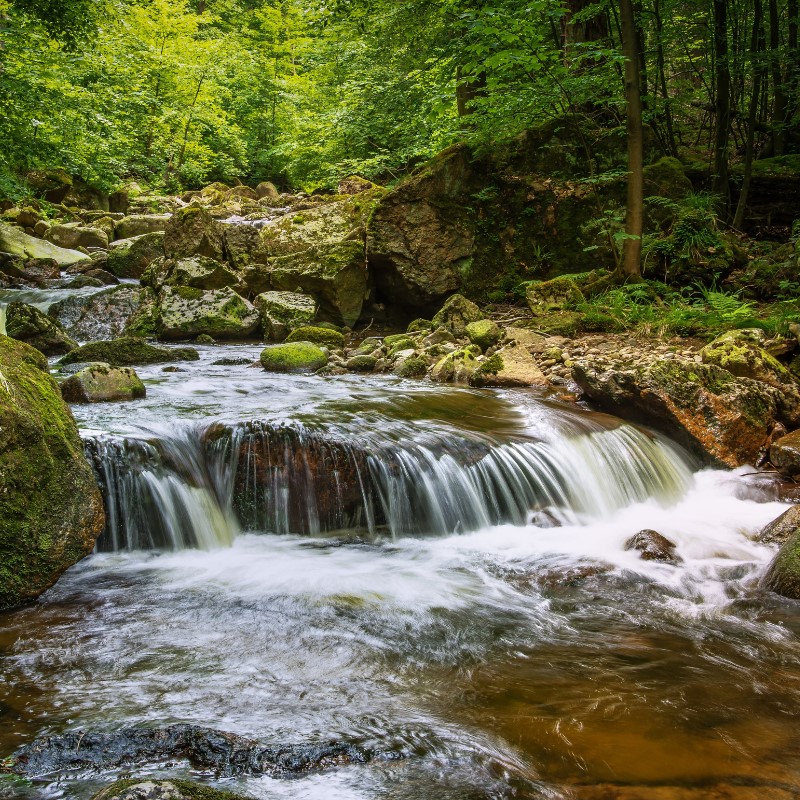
780, 530
101, 383
485, 333
51, 511
221, 313
783, 574
172, 789
652, 546
27, 324
325, 337
293, 357
129, 351
509, 367
784, 453
282, 312
205, 748
456, 314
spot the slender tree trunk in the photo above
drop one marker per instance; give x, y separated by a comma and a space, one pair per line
634, 218
672, 145
467, 91
757, 46
779, 95
720, 185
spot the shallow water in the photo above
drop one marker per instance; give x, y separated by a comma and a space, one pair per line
506, 660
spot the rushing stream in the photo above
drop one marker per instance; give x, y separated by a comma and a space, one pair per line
433, 572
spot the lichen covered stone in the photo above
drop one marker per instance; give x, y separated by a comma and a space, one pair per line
101, 383
293, 357
128, 351
187, 312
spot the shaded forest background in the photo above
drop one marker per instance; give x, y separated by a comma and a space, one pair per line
179, 93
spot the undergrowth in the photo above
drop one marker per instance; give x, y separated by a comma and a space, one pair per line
651, 308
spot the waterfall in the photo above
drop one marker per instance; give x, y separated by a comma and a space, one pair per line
198, 488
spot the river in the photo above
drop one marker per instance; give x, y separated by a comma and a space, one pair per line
435, 573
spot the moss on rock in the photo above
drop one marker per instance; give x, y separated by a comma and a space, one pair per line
293, 357
317, 335
485, 333
51, 511
128, 351
27, 324
154, 789
783, 574
101, 383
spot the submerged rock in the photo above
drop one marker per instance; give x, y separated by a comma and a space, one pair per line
221, 314
27, 324
293, 357
101, 383
225, 753
129, 351
652, 546
51, 511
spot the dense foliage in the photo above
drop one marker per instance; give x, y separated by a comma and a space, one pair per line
176, 93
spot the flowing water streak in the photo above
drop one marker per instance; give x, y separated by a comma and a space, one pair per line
197, 488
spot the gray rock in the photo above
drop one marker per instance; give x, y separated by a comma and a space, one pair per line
780, 530
222, 314
139, 224
652, 546
101, 383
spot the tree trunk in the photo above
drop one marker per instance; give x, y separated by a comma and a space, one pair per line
757, 46
467, 91
779, 94
634, 218
720, 184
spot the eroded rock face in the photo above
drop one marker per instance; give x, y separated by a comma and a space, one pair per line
51, 511
193, 231
420, 237
101, 383
27, 324
222, 314
720, 418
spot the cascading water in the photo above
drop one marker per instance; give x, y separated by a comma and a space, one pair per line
197, 488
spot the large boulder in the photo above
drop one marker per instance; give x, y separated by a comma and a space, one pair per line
129, 258
458, 366
222, 314
192, 231
105, 315
324, 337
200, 272
780, 530
128, 351
16, 242
51, 511
139, 224
719, 417
101, 383
282, 312
268, 190
27, 324
784, 454
336, 276
72, 235
456, 314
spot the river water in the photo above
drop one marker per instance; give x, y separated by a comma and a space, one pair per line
435, 573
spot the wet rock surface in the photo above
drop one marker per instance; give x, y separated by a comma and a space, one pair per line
653, 546
163, 790
101, 383
205, 748
27, 324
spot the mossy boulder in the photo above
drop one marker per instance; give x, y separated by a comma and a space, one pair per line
265, 189
780, 530
511, 366
361, 363
129, 351
193, 231
485, 333
741, 352
458, 366
293, 357
783, 574
553, 295
27, 324
51, 511
666, 178
722, 419
186, 312
18, 243
72, 235
101, 383
415, 366
140, 224
201, 273
107, 314
320, 336
129, 258
154, 789
282, 312
456, 314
